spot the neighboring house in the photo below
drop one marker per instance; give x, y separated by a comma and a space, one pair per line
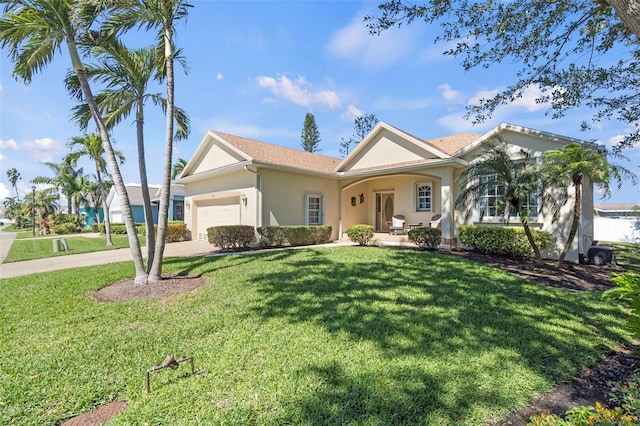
233, 180
134, 190
617, 223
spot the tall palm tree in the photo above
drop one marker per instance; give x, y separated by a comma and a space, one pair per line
33, 31
90, 145
126, 74
518, 181
573, 166
160, 15
13, 175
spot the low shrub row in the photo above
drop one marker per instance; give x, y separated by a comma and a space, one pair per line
118, 228
244, 237
502, 240
176, 230
65, 228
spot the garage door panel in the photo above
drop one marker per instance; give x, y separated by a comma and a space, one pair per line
218, 212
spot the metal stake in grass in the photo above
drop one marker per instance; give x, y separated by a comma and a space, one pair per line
171, 362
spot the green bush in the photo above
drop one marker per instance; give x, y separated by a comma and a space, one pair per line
232, 237
272, 236
120, 228
628, 288
502, 240
64, 228
279, 236
176, 231
300, 235
360, 234
425, 237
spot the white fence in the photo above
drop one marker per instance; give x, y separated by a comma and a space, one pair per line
616, 230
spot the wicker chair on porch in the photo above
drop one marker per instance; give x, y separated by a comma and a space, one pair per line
397, 225
435, 221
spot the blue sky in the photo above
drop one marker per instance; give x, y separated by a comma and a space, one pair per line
257, 67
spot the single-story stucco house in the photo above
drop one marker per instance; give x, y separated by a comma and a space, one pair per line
232, 180
134, 191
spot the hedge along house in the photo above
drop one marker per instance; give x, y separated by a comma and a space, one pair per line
232, 180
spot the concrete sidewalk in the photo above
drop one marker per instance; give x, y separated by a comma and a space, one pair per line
15, 269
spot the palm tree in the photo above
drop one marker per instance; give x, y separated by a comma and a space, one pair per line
33, 31
13, 210
13, 175
65, 179
573, 166
516, 178
178, 168
126, 74
90, 145
158, 15
45, 203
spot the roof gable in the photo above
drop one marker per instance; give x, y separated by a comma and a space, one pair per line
389, 146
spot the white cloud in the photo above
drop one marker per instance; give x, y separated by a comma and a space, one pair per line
355, 44
352, 112
4, 191
298, 91
10, 144
219, 76
450, 94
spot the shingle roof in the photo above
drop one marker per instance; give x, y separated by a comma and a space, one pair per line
135, 193
280, 155
452, 144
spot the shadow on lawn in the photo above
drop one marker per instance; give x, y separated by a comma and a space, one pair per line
420, 305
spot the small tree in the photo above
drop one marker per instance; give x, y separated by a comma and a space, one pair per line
362, 126
310, 135
573, 165
515, 176
13, 175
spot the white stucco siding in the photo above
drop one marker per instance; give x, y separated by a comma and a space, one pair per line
217, 156
388, 149
284, 193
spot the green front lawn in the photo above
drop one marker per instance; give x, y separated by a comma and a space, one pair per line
349, 335
39, 248
626, 254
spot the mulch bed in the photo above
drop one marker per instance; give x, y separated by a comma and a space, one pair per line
592, 386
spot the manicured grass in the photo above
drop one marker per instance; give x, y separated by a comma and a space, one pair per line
39, 248
626, 254
349, 335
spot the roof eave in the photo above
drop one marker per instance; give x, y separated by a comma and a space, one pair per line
439, 163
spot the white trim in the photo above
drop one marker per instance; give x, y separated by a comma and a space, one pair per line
321, 215
415, 196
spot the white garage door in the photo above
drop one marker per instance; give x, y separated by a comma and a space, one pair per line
217, 212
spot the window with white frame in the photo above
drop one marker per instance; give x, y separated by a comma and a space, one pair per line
424, 197
314, 207
492, 204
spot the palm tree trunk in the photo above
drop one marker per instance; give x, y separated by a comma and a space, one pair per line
574, 224
105, 207
532, 241
141, 274
146, 199
155, 274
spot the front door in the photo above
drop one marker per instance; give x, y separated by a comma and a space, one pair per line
384, 211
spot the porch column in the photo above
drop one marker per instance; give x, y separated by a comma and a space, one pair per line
448, 208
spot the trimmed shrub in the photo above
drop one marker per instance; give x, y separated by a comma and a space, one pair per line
120, 228
322, 233
232, 237
272, 236
64, 228
176, 231
360, 234
300, 235
502, 240
425, 237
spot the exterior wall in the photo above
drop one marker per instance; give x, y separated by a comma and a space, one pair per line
283, 197
403, 188
230, 185
138, 214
